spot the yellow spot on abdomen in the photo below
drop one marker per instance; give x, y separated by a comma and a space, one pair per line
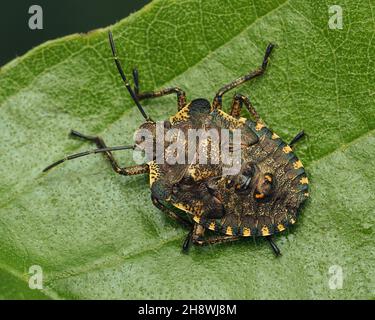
280, 227
297, 164
212, 226
265, 231
197, 219
242, 120
246, 232
287, 149
304, 180
275, 136
259, 126
229, 231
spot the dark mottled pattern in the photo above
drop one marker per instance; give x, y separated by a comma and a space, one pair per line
219, 202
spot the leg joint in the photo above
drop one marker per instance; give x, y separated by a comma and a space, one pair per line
198, 241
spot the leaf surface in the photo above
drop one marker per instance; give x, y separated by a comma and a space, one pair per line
97, 234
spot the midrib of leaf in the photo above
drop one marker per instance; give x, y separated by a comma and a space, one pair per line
48, 292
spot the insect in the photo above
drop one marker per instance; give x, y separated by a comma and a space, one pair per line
262, 198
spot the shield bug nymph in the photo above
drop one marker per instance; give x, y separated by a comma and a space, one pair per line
261, 198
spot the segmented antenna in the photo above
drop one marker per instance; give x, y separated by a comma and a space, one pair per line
85, 153
122, 74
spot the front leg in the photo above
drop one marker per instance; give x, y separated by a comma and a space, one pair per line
181, 96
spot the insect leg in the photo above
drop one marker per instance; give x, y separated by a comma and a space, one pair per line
215, 240
181, 96
196, 233
217, 103
238, 101
187, 241
199, 240
273, 245
170, 213
132, 170
297, 137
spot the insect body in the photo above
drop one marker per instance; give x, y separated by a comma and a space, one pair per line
261, 198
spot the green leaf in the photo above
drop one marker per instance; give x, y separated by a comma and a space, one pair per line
97, 235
